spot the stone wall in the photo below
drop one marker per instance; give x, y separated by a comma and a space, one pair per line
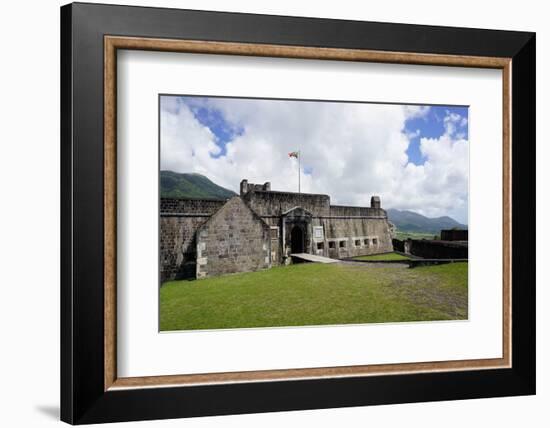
274, 224
276, 203
433, 249
230, 244
454, 235
178, 246
398, 245
189, 206
246, 187
351, 237
179, 220
345, 211
234, 239
348, 231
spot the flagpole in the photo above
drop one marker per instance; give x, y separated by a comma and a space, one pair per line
299, 156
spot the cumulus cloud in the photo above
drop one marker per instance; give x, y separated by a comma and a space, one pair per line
413, 134
350, 151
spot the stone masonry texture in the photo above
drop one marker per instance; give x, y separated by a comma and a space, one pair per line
235, 239
260, 228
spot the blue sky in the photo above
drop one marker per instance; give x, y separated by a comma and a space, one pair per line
213, 118
414, 157
431, 126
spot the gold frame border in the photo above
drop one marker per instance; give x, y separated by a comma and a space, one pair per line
112, 43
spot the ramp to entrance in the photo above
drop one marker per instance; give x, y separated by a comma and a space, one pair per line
313, 258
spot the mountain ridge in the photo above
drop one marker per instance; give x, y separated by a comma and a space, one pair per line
191, 186
410, 221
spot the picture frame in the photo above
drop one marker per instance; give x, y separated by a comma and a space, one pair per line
91, 391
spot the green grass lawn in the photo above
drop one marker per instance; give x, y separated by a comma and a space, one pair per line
385, 257
316, 294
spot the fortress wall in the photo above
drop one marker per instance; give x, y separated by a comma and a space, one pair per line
179, 220
432, 249
341, 210
190, 206
242, 244
275, 235
235, 239
178, 246
352, 237
454, 235
276, 203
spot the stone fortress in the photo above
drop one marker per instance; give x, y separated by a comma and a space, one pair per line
261, 228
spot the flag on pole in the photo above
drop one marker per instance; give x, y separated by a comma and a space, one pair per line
297, 156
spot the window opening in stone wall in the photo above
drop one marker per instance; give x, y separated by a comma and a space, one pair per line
318, 232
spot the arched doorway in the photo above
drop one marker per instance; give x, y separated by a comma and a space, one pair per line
297, 240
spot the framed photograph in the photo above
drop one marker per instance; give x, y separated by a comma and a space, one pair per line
266, 213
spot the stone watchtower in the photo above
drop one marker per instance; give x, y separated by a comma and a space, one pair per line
375, 202
247, 187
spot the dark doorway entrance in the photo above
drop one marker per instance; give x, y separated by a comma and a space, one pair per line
297, 240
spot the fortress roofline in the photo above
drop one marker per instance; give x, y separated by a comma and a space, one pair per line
249, 188
281, 192
246, 187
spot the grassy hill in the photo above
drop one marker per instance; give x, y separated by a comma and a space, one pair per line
409, 221
191, 185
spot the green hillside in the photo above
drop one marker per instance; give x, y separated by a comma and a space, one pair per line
409, 221
191, 185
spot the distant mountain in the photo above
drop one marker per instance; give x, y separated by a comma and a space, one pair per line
409, 221
191, 185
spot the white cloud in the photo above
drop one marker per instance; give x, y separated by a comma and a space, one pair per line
413, 134
416, 111
353, 150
